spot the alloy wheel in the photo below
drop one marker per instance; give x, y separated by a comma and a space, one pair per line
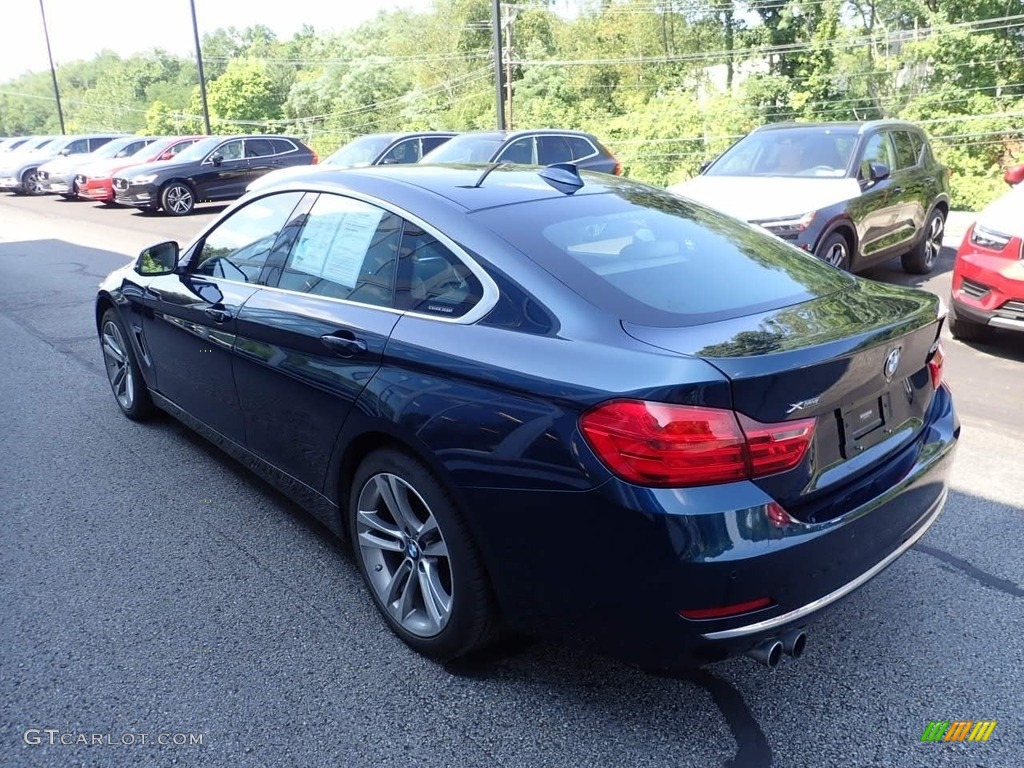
404, 554
933, 244
837, 255
119, 369
178, 199
32, 184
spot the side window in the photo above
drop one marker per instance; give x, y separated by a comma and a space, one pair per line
97, 142
906, 156
432, 279
282, 145
553, 149
580, 147
918, 141
519, 151
238, 248
347, 249
403, 152
231, 150
132, 148
433, 142
258, 148
78, 146
878, 150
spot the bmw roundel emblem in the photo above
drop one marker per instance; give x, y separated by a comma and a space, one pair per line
892, 364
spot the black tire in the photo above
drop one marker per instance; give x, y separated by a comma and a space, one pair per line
30, 184
835, 250
921, 260
123, 374
177, 199
967, 330
411, 555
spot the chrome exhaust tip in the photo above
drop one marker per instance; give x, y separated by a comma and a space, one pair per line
794, 643
768, 652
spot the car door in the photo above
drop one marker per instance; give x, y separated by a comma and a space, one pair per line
914, 187
190, 317
223, 173
308, 346
261, 159
875, 211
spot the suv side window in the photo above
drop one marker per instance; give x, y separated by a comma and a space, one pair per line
347, 249
282, 145
553, 149
78, 146
580, 147
258, 148
906, 155
96, 142
407, 151
431, 279
433, 142
519, 151
878, 150
231, 150
238, 248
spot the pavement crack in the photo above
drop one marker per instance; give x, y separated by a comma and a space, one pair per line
984, 578
752, 748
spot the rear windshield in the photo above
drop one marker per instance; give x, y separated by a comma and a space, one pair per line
648, 257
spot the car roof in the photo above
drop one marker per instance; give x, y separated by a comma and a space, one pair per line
853, 125
503, 185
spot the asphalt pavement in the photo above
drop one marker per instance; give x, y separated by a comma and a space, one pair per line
164, 606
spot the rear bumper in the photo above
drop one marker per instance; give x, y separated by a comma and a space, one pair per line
613, 567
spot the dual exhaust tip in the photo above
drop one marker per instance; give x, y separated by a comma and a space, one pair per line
769, 652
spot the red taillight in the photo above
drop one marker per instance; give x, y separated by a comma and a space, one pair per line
935, 363
618, 168
316, 158
663, 445
726, 610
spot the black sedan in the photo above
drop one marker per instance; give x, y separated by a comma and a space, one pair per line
634, 422
216, 168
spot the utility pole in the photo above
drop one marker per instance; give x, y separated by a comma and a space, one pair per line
511, 17
199, 63
499, 73
53, 71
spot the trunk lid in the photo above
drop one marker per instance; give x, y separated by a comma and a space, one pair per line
855, 360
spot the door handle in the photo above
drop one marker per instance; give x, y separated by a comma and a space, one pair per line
219, 314
346, 345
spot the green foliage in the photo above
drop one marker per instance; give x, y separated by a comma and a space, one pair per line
665, 85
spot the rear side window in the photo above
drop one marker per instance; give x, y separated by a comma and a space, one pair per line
431, 143
906, 154
553, 149
258, 148
282, 145
347, 249
431, 279
647, 257
580, 147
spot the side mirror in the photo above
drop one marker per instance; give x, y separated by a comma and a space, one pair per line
390, 161
704, 166
879, 172
217, 159
65, 152
166, 156
159, 259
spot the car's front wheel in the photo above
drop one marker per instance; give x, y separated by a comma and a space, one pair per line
921, 260
123, 372
30, 183
967, 330
835, 250
177, 199
416, 556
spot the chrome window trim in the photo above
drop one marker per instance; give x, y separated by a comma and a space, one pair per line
595, 153
831, 597
480, 309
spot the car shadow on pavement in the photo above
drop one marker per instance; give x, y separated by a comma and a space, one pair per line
891, 271
209, 209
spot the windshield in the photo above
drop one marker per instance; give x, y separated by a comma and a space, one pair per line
812, 151
466, 149
360, 152
199, 150
648, 257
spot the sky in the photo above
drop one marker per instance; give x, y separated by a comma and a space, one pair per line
79, 29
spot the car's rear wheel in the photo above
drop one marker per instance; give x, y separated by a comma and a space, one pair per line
967, 330
921, 260
177, 199
835, 250
123, 372
423, 571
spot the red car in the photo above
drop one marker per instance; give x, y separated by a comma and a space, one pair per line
988, 276
95, 181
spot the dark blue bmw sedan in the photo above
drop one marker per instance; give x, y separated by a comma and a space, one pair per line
563, 404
